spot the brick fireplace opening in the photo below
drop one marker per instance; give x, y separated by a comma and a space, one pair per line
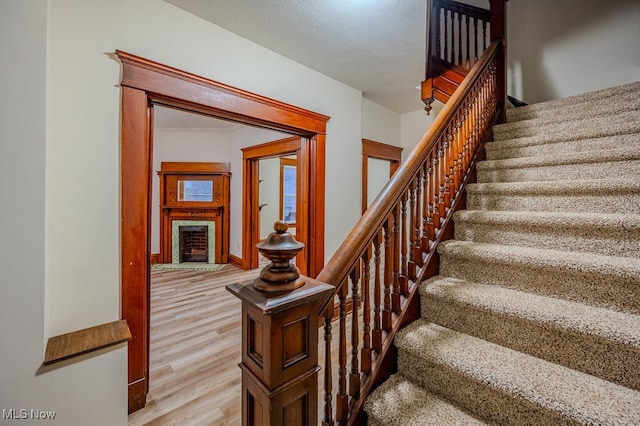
193, 245
193, 241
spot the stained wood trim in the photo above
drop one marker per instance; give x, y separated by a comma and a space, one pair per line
192, 168
250, 209
229, 101
145, 83
79, 342
380, 151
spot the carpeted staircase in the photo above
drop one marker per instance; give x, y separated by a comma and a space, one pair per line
535, 316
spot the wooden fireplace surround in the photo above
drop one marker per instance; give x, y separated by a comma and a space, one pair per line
217, 210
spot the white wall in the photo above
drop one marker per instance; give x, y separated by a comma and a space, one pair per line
558, 49
269, 195
380, 124
94, 388
414, 125
77, 231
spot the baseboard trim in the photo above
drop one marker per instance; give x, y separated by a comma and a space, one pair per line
237, 262
155, 258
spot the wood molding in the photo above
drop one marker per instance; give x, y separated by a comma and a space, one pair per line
380, 151
236, 261
145, 83
250, 202
155, 258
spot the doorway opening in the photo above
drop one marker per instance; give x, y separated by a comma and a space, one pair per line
146, 83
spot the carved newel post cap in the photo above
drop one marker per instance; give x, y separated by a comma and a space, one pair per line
280, 275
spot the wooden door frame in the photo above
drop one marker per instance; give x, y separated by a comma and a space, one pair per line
380, 151
143, 84
251, 155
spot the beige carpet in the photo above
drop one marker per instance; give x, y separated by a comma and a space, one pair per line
535, 316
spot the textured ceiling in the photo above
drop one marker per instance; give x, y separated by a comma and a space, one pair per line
376, 46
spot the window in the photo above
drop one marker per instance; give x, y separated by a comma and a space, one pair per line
288, 190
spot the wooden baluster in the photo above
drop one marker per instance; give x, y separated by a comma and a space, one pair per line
441, 180
328, 379
484, 36
377, 322
414, 227
365, 354
438, 34
446, 167
419, 220
342, 399
404, 283
475, 40
395, 297
460, 63
433, 196
388, 261
446, 35
455, 161
468, 58
427, 218
354, 376
451, 188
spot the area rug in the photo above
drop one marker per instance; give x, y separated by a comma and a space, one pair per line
187, 266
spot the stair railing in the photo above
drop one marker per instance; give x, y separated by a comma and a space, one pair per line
457, 33
392, 248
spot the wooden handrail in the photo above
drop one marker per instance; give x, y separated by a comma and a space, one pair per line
427, 186
338, 267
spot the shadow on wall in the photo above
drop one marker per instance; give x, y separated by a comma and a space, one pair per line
563, 48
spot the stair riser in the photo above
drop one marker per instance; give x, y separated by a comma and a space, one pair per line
628, 203
611, 241
598, 289
502, 151
604, 170
490, 403
591, 354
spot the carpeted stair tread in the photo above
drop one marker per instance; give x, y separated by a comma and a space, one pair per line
504, 385
535, 316
606, 234
572, 129
597, 341
601, 164
605, 281
594, 195
400, 402
515, 148
578, 111
550, 107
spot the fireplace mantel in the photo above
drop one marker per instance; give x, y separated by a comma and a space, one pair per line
194, 192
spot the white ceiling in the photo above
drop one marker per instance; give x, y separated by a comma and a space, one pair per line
376, 46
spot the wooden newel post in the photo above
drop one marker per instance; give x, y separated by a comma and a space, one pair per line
280, 338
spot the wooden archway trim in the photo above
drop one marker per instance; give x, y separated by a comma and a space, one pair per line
144, 83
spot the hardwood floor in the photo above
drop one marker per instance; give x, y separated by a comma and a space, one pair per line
194, 377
